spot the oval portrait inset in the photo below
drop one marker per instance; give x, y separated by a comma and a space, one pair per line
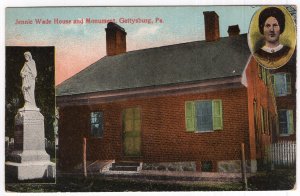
272, 36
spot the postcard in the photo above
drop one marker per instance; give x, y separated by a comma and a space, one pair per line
150, 98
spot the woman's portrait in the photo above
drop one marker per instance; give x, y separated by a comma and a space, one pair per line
272, 37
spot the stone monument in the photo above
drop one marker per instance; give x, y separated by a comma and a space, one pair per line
29, 159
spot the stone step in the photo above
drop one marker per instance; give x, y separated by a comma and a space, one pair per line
124, 168
123, 163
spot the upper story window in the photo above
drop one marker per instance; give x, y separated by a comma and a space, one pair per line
281, 84
286, 122
202, 116
97, 124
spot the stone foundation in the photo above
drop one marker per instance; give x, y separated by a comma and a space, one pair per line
229, 166
170, 166
234, 166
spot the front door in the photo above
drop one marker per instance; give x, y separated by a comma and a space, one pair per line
132, 132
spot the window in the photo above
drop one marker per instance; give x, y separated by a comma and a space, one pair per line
281, 84
203, 115
286, 122
97, 124
264, 121
262, 117
256, 117
206, 166
255, 114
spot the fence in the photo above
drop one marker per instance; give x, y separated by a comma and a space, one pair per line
282, 154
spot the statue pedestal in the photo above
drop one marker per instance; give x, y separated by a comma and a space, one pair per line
29, 159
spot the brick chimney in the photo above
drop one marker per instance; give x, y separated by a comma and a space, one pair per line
233, 30
211, 20
115, 39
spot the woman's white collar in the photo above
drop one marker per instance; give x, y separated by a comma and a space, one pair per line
272, 50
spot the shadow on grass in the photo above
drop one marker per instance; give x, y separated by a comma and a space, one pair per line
99, 184
275, 180
283, 179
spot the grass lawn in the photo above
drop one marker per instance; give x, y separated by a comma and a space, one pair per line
275, 180
101, 184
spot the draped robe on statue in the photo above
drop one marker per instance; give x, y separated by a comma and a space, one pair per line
28, 74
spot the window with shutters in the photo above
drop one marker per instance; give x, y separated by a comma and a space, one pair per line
97, 124
202, 116
286, 122
262, 118
281, 84
265, 121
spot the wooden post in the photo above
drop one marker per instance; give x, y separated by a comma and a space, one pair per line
84, 157
244, 177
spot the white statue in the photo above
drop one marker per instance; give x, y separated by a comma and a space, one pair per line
28, 74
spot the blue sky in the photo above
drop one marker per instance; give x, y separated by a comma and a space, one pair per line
77, 46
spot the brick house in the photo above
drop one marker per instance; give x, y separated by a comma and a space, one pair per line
191, 102
284, 84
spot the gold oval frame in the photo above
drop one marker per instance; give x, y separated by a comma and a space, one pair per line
287, 38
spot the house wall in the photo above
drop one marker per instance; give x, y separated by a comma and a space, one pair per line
260, 93
289, 101
164, 135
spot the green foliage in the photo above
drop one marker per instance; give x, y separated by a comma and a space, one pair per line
44, 89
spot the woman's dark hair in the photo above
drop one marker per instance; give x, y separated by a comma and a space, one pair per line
268, 12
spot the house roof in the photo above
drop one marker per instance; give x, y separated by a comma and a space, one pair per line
172, 64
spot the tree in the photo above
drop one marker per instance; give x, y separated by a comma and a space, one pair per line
44, 89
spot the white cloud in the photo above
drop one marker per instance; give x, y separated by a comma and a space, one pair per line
147, 31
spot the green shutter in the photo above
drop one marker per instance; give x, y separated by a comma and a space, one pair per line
259, 70
267, 122
264, 75
262, 120
190, 116
290, 119
273, 80
288, 83
128, 120
255, 114
217, 115
137, 119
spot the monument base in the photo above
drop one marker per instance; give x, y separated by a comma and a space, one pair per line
29, 160
30, 170
29, 155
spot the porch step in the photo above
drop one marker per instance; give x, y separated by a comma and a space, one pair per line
125, 166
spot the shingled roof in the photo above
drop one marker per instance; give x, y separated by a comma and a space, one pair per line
173, 64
